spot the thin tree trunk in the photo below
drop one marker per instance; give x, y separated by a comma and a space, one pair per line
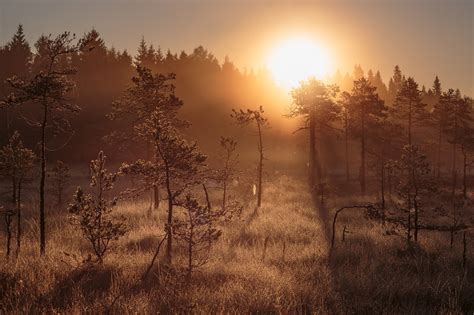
156, 190
451, 240
224, 194
464, 251
190, 253
312, 151
169, 241
464, 173
362, 154
454, 170
382, 183
42, 183
156, 197
8, 222
346, 140
209, 211
415, 220
409, 226
439, 152
18, 218
260, 166
157, 252
13, 189
409, 125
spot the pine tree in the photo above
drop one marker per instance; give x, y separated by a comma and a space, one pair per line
365, 108
415, 190
344, 103
394, 84
315, 102
149, 94
458, 118
194, 231
20, 54
370, 76
408, 106
49, 89
15, 59
358, 73
146, 57
16, 164
438, 121
380, 86
93, 212
437, 87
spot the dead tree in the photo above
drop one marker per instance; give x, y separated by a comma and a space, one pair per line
244, 118
227, 172
338, 211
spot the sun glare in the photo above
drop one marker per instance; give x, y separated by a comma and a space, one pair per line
297, 59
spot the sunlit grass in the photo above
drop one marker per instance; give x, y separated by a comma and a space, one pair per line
292, 273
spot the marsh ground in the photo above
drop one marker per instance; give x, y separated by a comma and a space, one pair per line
276, 260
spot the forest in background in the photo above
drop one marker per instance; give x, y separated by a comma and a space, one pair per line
208, 88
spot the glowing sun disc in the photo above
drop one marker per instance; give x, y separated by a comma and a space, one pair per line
297, 59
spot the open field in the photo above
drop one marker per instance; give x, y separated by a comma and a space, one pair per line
274, 261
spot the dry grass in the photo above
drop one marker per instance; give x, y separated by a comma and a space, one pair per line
293, 273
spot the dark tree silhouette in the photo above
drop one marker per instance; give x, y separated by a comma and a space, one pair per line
178, 165
50, 90
315, 102
16, 164
408, 106
414, 188
394, 84
384, 146
438, 119
150, 95
344, 103
93, 212
15, 59
196, 232
458, 119
365, 108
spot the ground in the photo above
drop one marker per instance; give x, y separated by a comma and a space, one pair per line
275, 260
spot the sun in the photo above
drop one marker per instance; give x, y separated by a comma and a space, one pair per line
297, 59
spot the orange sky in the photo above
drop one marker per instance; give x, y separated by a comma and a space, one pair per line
426, 38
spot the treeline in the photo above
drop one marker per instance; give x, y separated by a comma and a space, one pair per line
209, 88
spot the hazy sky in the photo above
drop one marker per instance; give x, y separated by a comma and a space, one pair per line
426, 38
